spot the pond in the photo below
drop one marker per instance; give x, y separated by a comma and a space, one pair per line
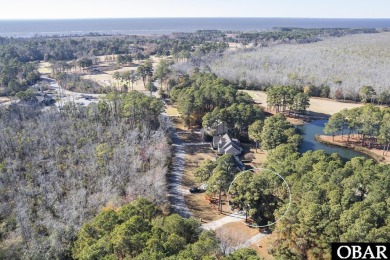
310, 130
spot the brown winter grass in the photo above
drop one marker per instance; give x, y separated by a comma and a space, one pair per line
201, 209
44, 67
262, 247
172, 111
317, 105
241, 228
243, 232
178, 123
191, 136
260, 155
4, 99
233, 46
105, 77
355, 144
197, 202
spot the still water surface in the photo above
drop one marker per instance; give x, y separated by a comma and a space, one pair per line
310, 130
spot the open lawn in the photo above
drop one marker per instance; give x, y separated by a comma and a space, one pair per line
105, 79
44, 67
259, 157
262, 247
317, 105
234, 46
172, 111
197, 202
241, 228
106, 69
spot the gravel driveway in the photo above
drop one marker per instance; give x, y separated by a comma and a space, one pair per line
175, 189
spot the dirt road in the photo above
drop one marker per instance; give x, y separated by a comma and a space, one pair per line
175, 189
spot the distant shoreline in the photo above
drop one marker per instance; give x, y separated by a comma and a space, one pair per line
157, 26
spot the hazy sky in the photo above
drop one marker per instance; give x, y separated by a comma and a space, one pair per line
47, 9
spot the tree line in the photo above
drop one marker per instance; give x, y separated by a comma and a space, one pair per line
16, 76
369, 124
296, 35
71, 48
283, 98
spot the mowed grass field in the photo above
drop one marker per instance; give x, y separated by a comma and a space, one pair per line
317, 105
105, 77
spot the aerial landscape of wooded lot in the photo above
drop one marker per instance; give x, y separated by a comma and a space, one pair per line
193, 144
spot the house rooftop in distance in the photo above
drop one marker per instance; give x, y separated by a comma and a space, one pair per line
226, 145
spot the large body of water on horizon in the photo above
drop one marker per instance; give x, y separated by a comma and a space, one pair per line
145, 26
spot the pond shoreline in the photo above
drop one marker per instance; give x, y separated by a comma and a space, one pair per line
311, 130
376, 157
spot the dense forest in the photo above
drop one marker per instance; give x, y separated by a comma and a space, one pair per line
204, 99
331, 202
58, 168
71, 48
345, 65
139, 230
16, 76
286, 35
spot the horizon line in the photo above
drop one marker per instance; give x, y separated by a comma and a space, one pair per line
198, 17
